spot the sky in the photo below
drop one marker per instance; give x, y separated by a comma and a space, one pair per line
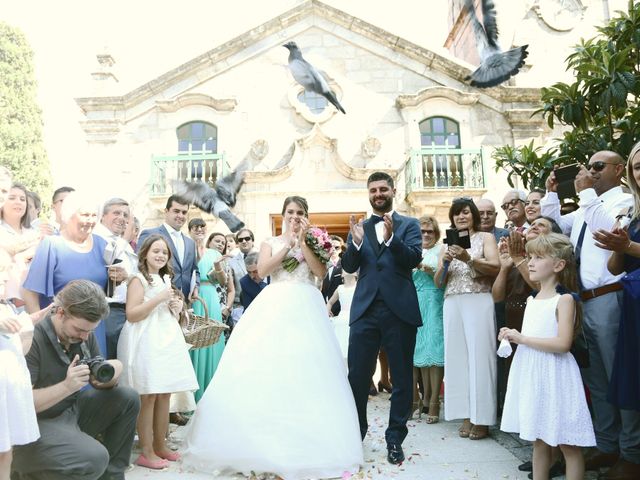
148, 38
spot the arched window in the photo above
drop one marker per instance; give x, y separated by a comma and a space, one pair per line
316, 103
439, 132
440, 170
199, 137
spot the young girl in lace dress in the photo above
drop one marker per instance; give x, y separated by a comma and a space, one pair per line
152, 350
545, 400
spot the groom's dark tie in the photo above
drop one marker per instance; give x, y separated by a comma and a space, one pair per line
376, 218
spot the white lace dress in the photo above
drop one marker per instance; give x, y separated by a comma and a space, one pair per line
280, 402
545, 397
341, 321
154, 355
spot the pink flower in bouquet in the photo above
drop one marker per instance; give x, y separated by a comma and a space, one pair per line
318, 241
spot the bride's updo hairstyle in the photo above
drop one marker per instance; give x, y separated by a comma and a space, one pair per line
300, 201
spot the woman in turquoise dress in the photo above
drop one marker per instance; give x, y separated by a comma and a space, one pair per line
428, 357
205, 360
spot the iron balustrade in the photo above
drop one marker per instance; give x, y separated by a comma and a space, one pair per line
444, 168
192, 166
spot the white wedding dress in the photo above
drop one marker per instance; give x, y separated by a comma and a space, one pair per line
280, 402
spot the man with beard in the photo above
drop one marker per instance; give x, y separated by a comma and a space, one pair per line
384, 249
513, 207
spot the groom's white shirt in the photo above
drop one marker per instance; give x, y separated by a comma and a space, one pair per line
379, 232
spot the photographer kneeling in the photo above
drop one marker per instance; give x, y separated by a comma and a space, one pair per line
62, 362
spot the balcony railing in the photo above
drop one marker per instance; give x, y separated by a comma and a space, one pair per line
192, 166
444, 168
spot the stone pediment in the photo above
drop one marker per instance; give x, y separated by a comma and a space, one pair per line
169, 91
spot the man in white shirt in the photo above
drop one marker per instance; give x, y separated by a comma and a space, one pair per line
121, 262
601, 199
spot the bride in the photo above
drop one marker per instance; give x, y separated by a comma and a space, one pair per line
280, 402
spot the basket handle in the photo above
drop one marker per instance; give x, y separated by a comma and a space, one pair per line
204, 306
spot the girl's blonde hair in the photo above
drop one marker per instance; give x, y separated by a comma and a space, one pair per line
633, 185
558, 246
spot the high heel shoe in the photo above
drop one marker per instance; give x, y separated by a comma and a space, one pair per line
384, 388
433, 414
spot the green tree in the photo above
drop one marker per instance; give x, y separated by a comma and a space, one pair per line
21, 146
600, 108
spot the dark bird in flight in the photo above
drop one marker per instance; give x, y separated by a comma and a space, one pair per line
496, 66
307, 76
218, 200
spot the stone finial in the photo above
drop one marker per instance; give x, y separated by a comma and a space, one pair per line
105, 73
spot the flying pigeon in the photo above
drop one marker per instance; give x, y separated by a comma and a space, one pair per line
307, 76
496, 66
219, 200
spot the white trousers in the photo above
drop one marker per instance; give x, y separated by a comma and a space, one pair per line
470, 358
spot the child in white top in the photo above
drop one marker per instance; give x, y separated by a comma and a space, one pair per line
545, 401
152, 350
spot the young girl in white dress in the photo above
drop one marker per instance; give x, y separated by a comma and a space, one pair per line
545, 400
152, 350
300, 423
344, 294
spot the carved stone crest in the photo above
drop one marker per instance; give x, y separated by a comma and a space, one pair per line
259, 149
370, 147
560, 15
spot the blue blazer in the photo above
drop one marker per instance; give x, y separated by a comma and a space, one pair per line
386, 269
182, 272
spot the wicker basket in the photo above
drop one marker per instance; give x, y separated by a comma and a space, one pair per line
202, 331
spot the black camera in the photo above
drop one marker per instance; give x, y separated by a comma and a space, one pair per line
458, 237
100, 369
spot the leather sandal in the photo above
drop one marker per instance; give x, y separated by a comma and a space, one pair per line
478, 432
465, 429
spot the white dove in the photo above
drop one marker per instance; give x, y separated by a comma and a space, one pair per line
496, 66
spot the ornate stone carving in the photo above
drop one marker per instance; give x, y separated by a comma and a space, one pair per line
370, 147
461, 98
197, 99
560, 15
302, 109
259, 149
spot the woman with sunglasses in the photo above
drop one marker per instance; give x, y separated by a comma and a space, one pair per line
469, 338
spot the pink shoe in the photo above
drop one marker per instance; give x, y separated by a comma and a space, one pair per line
171, 456
154, 465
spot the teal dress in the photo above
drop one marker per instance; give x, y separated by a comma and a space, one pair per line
205, 360
429, 350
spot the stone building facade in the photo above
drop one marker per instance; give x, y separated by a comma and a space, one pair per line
409, 112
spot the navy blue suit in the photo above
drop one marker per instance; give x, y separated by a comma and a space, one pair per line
182, 272
384, 311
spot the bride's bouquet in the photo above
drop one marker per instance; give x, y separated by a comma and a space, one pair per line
318, 241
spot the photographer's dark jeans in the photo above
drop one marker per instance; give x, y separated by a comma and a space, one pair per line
67, 449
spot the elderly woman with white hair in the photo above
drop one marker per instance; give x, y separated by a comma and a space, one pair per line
74, 254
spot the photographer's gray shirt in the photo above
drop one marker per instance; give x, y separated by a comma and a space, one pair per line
48, 362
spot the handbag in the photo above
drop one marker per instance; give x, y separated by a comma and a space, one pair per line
580, 350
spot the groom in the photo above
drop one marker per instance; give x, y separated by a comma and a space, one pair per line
384, 311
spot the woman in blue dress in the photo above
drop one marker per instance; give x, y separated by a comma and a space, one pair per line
624, 242
428, 357
73, 255
205, 360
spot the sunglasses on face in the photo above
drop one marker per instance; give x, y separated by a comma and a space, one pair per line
198, 227
511, 203
244, 239
599, 165
429, 232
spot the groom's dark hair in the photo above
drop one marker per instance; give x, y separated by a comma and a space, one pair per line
377, 176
